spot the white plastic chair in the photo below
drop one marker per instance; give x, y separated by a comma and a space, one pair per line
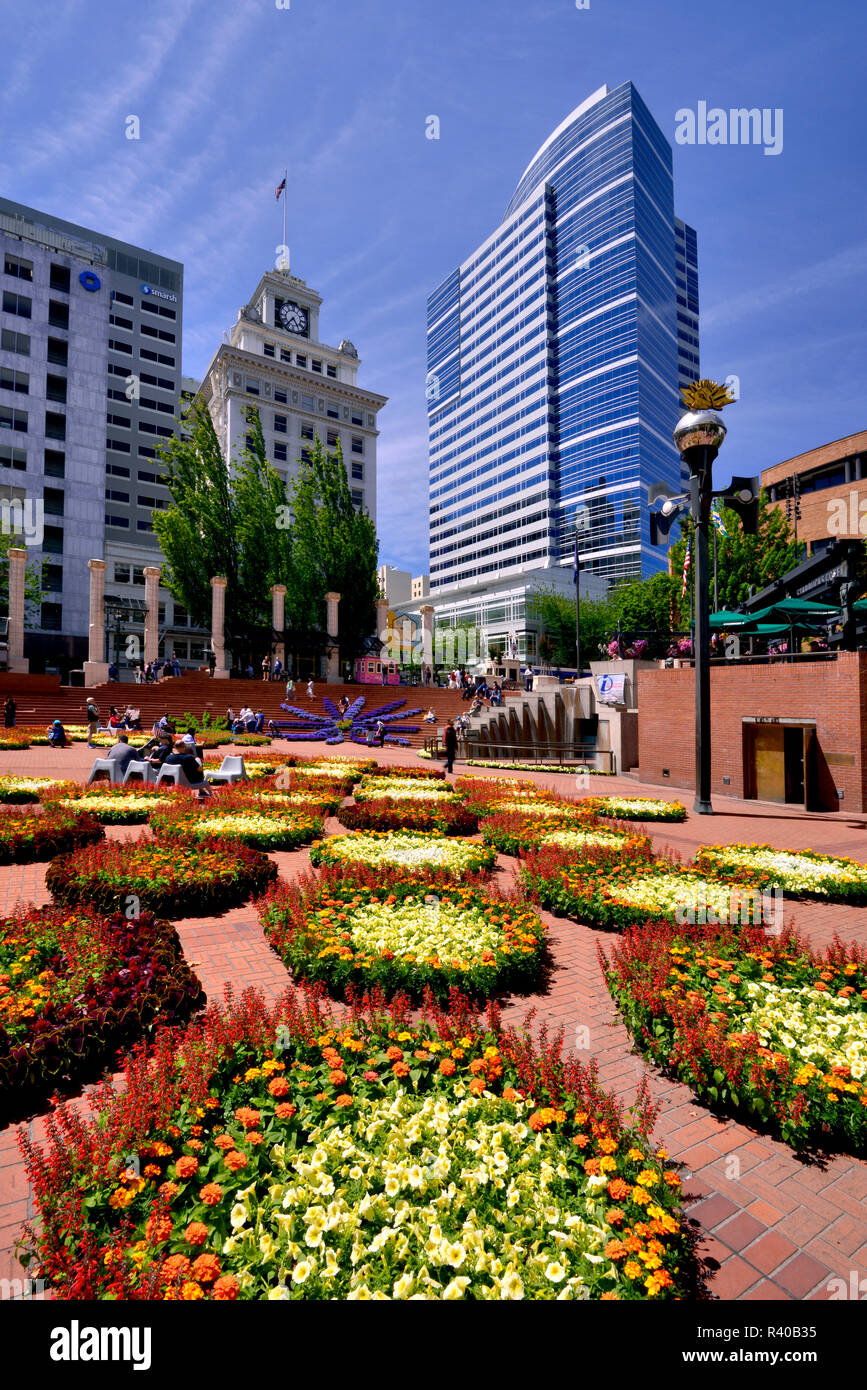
104, 765
174, 773
136, 769
231, 769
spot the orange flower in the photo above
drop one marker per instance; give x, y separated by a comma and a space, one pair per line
400, 1069
343, 1101
591, 1167
174, 1266
168, 1190
191, 1291
285, 1111
226, 1288
615, 1250
394, 1054
211, 1194
224, 1141
337, 1078
159, 1228
151, 1170
447, 1067
196, 1233
279, 1086
511, 1094
247, 1117
477, 1065
206, 1268
234, 1160
477, 1085
254, 1138
618, 1190
187, 1167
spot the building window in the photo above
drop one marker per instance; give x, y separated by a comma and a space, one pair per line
268, 349
358, 470
305, 455
58, 353
301, 359
121, 574
13, 419
280, 423
333, 411
121, 522
280, 396
53, 576
280, 453
144, 526
252, 386
306, 402
122, 298
180, 649
14, 381
331, 370
58, 314
307, 431
59, 278
116, 470
13, 458
357, 444
332, 439
316, 365
15, 265
55, 464
118, 446
10, 341
17, 304
117, 345
285, 355
118, 322
55, 389
357, 497
114, 495
51, 618
357, 419
52, 540
52, 498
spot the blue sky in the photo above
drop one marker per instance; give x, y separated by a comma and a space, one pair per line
228, 94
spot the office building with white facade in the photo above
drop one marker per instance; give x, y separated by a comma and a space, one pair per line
90, 363
275, 362
555, 352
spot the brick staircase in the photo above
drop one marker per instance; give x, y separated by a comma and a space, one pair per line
40, 699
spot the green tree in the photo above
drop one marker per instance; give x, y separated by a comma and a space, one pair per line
643, 606
743, 562
334, 548
34, 589
554, 612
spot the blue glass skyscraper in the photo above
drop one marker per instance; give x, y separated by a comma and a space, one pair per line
555, 353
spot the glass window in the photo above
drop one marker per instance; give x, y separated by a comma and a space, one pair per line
358, 470
121, 574
13, 419
331, 370
55, 464
333, 439
316, 365
55, 388
51, 618
52, 540
53, 501
17, 304
13, 458
307, 431
58, 353
280, 424
357, 444
11, 341
280, 396
15, 265
252, 386
280, 453
11, 380
58, 314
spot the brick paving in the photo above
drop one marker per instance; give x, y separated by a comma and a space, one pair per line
772, 1226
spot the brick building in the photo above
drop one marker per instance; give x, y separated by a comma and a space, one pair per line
832, 483
792, 733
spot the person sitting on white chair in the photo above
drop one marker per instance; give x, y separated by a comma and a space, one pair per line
122, 754
192, 768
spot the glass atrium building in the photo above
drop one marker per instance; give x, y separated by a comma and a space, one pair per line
555, 353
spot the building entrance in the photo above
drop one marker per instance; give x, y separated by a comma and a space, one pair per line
779, 762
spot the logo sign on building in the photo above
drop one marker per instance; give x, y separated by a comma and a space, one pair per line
159, 294
610, 689
89, 280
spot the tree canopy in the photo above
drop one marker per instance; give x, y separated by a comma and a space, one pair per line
743, 562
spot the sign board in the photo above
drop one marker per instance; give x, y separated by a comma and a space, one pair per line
610, 689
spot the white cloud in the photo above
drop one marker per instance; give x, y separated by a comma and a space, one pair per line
822, 275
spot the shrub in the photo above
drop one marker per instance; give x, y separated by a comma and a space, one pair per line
451, 817
26, 836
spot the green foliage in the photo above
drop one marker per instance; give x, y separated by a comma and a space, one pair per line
643, 604
743, 562
34, 590
334, 548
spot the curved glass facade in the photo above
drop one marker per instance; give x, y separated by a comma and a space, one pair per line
554, 357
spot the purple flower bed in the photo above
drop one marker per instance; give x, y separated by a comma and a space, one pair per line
308, 727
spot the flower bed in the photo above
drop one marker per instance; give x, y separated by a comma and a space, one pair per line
638, 808
12, 742
23, 790
239, 817
176, 878
74, 987
283, 1155
450, 817
538, 767
403, 789
115, 805
335, 768
318, 800
360, 932
801, 873
255, 767
26, 836
756, 1025
430, 774
405, 850
614, 889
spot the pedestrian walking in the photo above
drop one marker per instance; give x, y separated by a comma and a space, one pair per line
92, 723
451, 745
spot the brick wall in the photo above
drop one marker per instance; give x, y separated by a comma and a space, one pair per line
833, 693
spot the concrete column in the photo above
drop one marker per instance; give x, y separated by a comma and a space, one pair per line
152, 617
218, 629
96, 666
332, 667
278, 617
15, 635
382, 624
427, 613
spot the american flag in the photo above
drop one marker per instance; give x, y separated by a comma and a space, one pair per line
687, 560
281, 189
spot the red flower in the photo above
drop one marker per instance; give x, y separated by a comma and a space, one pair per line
284, 1111
211, 1194
279, 1086
187, 1166
226, 1287
196, 1233
234, 1160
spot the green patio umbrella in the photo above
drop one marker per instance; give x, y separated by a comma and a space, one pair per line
727, 618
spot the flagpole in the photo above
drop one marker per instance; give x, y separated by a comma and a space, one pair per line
285, 198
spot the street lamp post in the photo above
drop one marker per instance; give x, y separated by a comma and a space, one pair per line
698, 435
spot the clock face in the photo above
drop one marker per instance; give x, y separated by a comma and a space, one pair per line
293, 317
